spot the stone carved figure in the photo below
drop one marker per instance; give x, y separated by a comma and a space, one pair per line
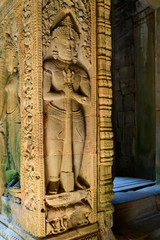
63, 218
11, 113
66, 89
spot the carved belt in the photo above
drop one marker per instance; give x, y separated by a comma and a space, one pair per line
60, 114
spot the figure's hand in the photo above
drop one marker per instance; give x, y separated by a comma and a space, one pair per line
68, 89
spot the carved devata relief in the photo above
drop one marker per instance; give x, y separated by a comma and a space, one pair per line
81, 9
10, 121
66, 90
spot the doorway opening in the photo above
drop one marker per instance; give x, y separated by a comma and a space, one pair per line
134, 90
134, 70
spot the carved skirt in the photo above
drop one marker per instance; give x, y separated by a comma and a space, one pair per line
13, 140
62, 127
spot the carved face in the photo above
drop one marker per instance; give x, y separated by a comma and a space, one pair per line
66, 43
66, 47
10, 60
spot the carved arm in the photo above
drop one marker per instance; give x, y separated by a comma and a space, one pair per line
85, 92
49, 94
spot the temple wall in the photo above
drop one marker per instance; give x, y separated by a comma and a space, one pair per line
55, 114
134, 78
157, 87
124, 85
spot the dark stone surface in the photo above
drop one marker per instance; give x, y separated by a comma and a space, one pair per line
133, 88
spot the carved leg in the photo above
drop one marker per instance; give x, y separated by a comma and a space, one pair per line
17, 147
54, 135
78, 148
53, 164
78, 154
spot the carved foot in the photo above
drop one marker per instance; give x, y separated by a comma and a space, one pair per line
78, 186
53, 188
81, 183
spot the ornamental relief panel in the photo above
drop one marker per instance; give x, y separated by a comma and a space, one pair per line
66, 89
10, 120
29, 151
66, 29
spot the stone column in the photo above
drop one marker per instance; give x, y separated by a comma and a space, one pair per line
32, 162
80, 76
157, 90
105, 159
156, 5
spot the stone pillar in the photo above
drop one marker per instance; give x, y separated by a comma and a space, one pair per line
156, 5
157, 90
65, 90
105, 158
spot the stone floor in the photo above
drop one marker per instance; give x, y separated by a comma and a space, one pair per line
137, 212
123, 184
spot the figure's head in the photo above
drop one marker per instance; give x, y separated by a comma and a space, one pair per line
11, 56
65, 41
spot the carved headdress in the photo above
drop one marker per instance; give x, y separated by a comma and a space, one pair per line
11, 50
66, 27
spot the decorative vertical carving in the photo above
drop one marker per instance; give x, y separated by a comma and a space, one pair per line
2, 127
28, 130
104, 52
9, 100
32, 118
66, 88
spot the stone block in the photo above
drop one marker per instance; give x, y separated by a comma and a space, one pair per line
126, 72
129, 102
106, 144
128, 88
121, 119
118, 103
5, 207
119, 134
129, 118
117, 84
106, 153
124, 56
105, 172
127, 144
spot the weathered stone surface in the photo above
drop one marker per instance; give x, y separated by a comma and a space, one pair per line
57, 72
129, 103
121, 119
126, 73
153, 3
130, 118
157, 87
119, 103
